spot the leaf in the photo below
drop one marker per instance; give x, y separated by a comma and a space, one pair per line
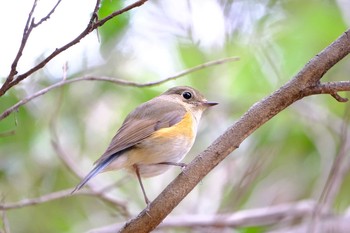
111, 31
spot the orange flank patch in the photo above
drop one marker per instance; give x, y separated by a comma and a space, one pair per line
183, 128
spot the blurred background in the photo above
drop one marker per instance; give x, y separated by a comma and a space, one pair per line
285, 161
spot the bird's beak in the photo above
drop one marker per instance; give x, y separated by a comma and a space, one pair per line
209, 103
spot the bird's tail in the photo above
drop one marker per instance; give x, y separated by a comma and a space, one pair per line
97, 169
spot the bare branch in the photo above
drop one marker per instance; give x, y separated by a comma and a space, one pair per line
193, 69
48, 15
30, 17
122, 82
256, 116
30, 25
35, 201
331, 88
92, 25
56, 196
26, 32
339, 98
119, 12
244, 218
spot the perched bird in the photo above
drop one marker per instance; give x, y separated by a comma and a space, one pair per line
156, 135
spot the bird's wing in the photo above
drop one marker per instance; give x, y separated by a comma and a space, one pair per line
140, 124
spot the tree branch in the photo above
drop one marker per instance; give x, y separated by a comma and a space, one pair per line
329, 88
243, 218
48, 15
35, 201
92, 25
122, 82
59, 195
256, 116
26, 32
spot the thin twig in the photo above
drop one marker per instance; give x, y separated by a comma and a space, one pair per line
30, 25
26, 32
99, 23
339, 98
122, 82
92, 25
52, 197
30, 17
35, 201
48, 15
331, 88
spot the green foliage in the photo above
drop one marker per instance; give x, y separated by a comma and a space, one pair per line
112, 30
252, 230
285, 161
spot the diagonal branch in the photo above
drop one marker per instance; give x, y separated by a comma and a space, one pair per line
48, 15
10, 81
331, 88
122, 82
119, 12
92, 25
26, 32
255, 117
30, 25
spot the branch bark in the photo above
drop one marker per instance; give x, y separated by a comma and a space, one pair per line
302, 85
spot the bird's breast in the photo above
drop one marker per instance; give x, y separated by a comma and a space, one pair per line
164, 145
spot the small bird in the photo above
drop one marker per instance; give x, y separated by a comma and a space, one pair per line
156, 135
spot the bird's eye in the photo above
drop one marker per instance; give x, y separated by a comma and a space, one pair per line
187, 95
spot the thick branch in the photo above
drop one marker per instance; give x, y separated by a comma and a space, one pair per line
256, 116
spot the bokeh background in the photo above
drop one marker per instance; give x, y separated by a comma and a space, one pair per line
285, 161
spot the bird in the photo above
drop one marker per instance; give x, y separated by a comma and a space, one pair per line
155, 136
